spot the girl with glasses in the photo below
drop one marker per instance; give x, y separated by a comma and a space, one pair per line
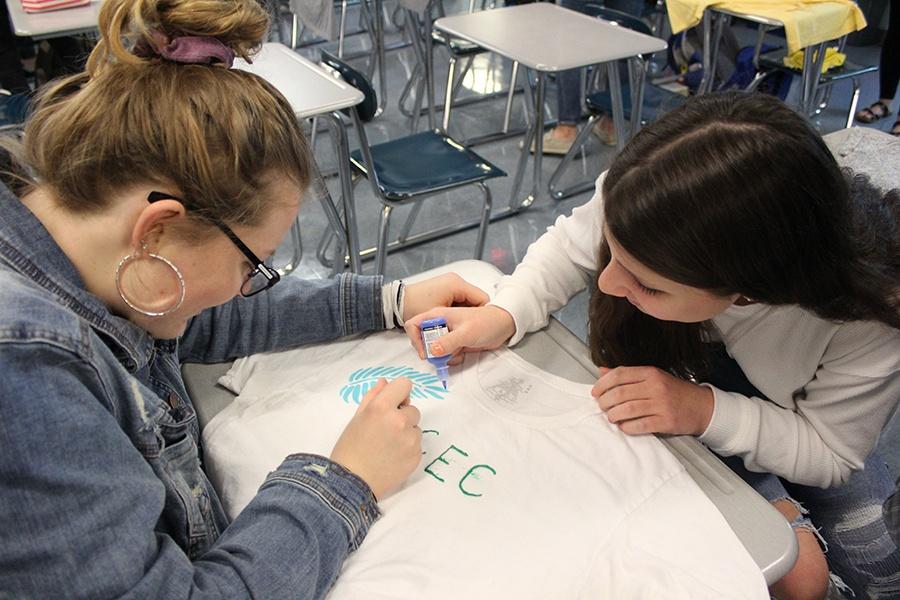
135, 222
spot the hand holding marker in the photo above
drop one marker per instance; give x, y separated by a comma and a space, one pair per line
432, 329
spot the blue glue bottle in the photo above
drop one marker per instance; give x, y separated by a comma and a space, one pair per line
432, 329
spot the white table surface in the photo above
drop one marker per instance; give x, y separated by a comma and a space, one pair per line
55, 23
547, 37
308, 87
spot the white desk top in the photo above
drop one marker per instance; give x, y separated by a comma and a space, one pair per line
55, 23
547, 37
310, 89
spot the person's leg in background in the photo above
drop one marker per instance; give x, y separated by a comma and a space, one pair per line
568, 101
860, 548
569, 92
889, 73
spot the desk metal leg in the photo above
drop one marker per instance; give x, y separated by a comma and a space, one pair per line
423, 48
538, 133
377, 24
813, 58
341, 31
805, 80
722, 22
711, 41
530, 136
707, 52
296, 247
448, 93
351, 231
428, 23
637, 69
509, 97
618, 110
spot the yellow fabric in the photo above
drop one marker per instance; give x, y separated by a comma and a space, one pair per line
833, 58
806, 22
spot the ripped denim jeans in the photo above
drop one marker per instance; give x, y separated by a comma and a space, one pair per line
848, 519
849, 523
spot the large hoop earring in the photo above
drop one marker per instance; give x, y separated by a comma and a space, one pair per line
135, 256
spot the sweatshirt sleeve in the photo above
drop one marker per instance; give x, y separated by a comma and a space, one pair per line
556, 267
835, 419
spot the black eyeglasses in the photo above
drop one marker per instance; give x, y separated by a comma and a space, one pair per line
261, 278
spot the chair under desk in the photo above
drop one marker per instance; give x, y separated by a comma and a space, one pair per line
764, 533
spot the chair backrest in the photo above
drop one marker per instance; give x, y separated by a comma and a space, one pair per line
618, 17
369, 106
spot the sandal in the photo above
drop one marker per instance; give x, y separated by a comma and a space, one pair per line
895, 130
867, 115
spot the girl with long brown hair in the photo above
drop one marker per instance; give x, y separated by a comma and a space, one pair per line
747, 293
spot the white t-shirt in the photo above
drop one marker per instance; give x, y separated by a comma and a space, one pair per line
524, 489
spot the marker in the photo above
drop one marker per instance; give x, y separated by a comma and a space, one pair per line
432, 329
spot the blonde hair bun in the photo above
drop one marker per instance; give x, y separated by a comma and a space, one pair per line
241, 25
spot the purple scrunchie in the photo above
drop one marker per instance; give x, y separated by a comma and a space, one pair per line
189, 50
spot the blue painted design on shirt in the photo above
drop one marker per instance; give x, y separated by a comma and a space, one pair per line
425, 385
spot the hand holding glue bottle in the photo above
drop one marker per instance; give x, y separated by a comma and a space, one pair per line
432, 330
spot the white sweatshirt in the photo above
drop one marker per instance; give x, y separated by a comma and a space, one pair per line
832, 386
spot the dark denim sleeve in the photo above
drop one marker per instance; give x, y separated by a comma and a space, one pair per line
294, 312
82, 510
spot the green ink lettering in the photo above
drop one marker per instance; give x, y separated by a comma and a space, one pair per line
471, 472
424, 431
441, 459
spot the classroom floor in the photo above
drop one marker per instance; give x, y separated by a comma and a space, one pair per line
507, 239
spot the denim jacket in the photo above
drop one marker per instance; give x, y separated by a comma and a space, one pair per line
103, 493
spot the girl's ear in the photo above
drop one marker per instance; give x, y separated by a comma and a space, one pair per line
153, 218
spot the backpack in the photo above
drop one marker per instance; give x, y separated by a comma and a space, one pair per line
734, 66
775, 84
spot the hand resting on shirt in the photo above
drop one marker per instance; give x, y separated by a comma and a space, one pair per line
649, 400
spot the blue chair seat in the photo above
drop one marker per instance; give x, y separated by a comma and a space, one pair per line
424, 163
409, 170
